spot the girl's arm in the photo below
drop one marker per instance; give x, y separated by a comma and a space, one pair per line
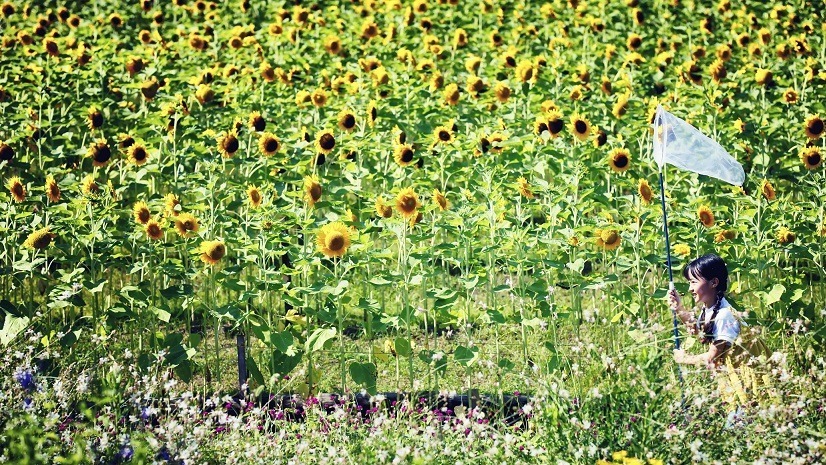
676, 302
709, 358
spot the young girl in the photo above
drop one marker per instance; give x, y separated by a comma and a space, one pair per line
717, 326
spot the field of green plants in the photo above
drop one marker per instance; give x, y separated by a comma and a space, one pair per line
214, 214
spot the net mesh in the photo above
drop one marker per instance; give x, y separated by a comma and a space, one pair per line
682, 145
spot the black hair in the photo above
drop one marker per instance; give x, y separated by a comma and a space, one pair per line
709, 266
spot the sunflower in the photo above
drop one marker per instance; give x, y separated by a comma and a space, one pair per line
475, 85
99, 152
382, 209
319, 97
94, 118
717, 70
256, 122
608, 239
526, 71
580, 127
496, 142
236, 42
725, 235
495, 39
228, 143
451, 94
52, 189
601, 138
442, 135
576, 93
268, 144
39, 239
332, 44
619, 159
790, 96
472, 64
51, 47
524, 188
369, 29
212, 251
16, 188
125, 141
459, 38
6, 152
785, 235
403, 154
811, 157
149, 88
682, 250
204, 94
153, 230
502, 91
440, 200
267, 72
89, 186
137, 154
437, 81
141, 212
763, 76
633, 42
693, 73
254, 196
172, 205
540, 125
768, 190
814, 127
372, 113
186, 225
346, 120
407, 202
555, 122
333, 239
325, 142
416, 219
706, 216
621, 105
312, 190
606, 86
644, 189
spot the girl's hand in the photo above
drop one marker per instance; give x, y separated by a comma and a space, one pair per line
675, 302
680, 356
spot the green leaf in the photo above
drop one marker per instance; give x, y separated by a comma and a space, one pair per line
380, 281
775, 294
95, 287
283, 341
162, 314
184, 371
465, 356
319, 339
496, 316
12, 326
402, 346
254, 371
365, 375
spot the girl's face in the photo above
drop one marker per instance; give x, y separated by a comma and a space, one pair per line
703, 290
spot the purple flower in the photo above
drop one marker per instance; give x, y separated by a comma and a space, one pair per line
126, 452
26, 380
163, 454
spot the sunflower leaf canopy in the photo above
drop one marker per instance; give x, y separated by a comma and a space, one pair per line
680, 144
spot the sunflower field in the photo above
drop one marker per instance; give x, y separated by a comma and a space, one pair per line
216, 214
